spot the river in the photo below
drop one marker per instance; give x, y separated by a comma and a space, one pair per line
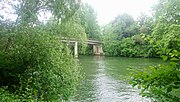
105, 79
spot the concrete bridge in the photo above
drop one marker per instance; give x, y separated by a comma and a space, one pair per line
97, 48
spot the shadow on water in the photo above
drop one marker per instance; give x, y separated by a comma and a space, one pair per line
102, 82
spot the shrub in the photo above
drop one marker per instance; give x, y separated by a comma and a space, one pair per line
162, 83
137, 39
126, 47
5, 96
35, 61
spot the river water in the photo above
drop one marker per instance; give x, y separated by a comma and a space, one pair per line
105, 79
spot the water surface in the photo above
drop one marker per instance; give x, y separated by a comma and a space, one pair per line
105, 79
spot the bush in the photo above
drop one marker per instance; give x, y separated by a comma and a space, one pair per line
128, 47
33, 61
162, 83
5, 96
111, 48
137, 39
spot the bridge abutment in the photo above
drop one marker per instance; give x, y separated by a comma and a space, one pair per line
97, 50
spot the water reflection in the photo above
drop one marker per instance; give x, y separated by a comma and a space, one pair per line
102, 81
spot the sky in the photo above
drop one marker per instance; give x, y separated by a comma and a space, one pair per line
107, 10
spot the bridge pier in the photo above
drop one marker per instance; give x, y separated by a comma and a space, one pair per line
97, 50
76, 49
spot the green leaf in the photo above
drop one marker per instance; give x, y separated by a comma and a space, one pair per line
178, 44
174, 59
164, 57
169, 89
177, 83
173, 63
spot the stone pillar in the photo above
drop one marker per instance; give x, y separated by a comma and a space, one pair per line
67, 49
100, 50
94, 49
76, 49
97, 49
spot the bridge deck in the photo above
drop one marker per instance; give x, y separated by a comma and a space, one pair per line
73, 40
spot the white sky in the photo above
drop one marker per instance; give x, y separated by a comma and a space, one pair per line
107, 10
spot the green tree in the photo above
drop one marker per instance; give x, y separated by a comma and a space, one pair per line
124, 26
168, 11
28, 10
162, 83
34, 63
145, 23
88, 19
166, 14
123, 38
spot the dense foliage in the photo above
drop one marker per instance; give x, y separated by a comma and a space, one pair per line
129, 38
37, 61
34, 64
157, 36
162, 83
88, 20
